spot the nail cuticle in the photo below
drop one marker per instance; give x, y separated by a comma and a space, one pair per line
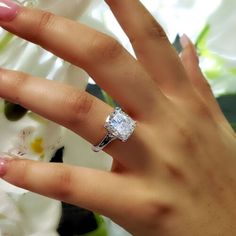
8, 10
3, 166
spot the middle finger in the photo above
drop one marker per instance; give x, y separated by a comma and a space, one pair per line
151, 46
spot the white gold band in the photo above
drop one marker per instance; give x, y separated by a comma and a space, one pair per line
119, 125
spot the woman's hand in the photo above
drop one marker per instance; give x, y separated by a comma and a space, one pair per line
176, 174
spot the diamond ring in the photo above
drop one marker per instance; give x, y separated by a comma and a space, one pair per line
119, 125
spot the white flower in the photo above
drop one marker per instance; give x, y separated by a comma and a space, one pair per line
26, 214
23, 213
221, 43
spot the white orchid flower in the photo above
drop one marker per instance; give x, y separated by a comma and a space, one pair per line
219, 51
23, 213
26, 214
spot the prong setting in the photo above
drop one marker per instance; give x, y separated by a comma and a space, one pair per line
120, 125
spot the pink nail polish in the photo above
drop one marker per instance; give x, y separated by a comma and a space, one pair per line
185, 41
3, 166
8, 10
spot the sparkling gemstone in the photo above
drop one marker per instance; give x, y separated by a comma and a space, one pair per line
120, 125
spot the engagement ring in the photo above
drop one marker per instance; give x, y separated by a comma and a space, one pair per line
119, 125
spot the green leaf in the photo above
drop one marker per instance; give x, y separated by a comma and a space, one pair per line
101, 230
212, 74
228, 106
108, 99
233, 71
5, 40
234, 126
201, 39
14, 112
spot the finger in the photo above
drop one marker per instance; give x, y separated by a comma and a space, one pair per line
72, 108
55, 101
190, 61
151, 45
101, 56
91, 189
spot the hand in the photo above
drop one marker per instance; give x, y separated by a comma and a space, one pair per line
176, 174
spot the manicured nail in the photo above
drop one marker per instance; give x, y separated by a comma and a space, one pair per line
5, 158
8, 10
3, 166
185, 41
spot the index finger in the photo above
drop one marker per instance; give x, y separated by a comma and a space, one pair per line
100, 55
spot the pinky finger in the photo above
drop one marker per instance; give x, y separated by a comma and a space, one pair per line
190, 62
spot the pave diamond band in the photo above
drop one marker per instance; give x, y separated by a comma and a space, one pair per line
119, 125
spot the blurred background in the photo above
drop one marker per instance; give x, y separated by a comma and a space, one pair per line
211, 26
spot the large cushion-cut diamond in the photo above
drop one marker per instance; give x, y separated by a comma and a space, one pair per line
120, 125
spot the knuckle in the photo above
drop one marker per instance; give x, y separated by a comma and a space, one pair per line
201, 84
157, 209
161, 209
198, 84
14, 81
21, 179
153, 31
105, 48
63, 177
45, 21
18, 85
20, 80
203, 112
79, 105
156, 31
186, 140
175, 172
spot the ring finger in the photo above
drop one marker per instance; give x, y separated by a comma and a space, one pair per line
68, 106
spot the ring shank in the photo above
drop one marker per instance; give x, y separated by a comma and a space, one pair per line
106, 140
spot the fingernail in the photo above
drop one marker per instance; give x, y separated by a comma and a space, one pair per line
8, 10
3, 166
185, 41
5, 158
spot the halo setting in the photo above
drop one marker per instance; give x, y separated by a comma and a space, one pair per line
119, 125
